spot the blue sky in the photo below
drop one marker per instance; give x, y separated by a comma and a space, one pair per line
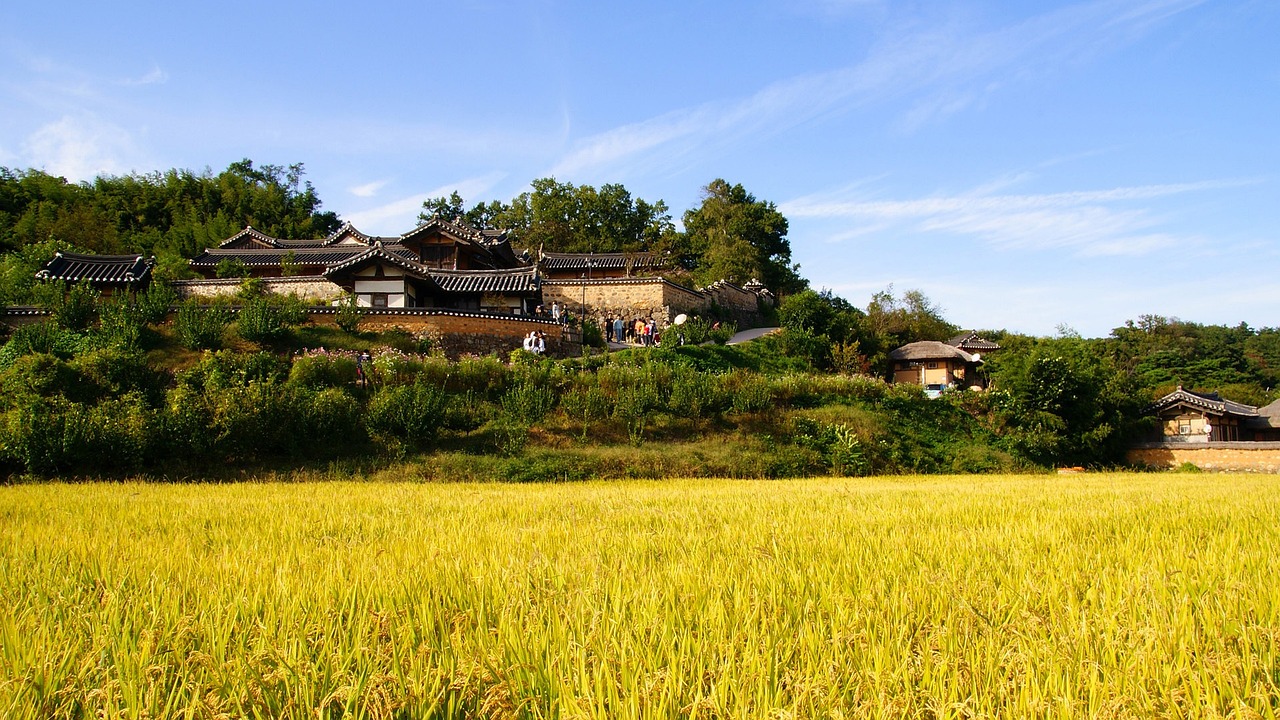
1027, 165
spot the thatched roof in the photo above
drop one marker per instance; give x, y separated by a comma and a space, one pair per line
931, 350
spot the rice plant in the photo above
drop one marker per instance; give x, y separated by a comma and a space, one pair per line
995, 596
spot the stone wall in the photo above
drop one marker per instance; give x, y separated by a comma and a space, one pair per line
657, 298
305, 287
742, 304
464, 333
1221, 456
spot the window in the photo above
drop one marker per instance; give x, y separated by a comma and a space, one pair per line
378, 300
932, 366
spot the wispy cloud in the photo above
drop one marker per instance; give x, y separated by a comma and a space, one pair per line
1093, 222
81, 148
400, 215
156, 76
368, 189
940, 70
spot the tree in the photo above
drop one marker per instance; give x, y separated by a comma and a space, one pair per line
733, 236
563, 217
1065, 401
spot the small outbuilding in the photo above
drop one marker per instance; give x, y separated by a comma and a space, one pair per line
1187, 416
106, 273
936, 366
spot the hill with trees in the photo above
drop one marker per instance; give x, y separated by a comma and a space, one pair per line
118, 386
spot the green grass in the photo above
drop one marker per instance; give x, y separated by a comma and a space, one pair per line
1116, 595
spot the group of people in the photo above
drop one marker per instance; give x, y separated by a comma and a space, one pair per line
535, 342
638, 331
556, 313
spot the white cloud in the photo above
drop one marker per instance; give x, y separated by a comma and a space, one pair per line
1088, 221
399, 216
80, 148
943, 70
368, 189
156, 76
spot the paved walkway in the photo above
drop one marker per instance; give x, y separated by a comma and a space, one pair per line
752, 334
744, 336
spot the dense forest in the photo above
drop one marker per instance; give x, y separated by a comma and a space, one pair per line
121, 385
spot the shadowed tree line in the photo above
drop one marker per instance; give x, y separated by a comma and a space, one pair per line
173, 214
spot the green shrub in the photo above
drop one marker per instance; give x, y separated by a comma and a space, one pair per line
153, 304
120, 324
43, 337
231, 268
114, 372
333, 421
259, 321
585, 402
528, 402
349, 314
231, 369
750, 393
37, 375
200, 327
408, 414
695, 395
54, 434
323, 371
74, 307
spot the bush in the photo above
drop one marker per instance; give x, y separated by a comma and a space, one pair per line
74, 307
47, 435
120, 322
199, 327
528, 402
695, 395
44, 337
259, 321
323, 371
408, 414
153, 304
231, 268
349, 314
225, 369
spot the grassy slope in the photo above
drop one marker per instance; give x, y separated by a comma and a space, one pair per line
1000, 596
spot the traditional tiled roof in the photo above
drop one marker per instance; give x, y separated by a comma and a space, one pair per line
493, 246
458, 230
930, 350
487, 281
97, 269
971, 342
311, 256
249, 238
1207, 402
603, 261
521, 280
397, 255
1268, 416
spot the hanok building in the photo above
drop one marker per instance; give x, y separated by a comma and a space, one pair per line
1187, 416
970, 342
437, 264
107, 274
600, 266
935, 365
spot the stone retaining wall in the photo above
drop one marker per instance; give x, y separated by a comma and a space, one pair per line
656, 298
1222, 456
462, 333
305, 287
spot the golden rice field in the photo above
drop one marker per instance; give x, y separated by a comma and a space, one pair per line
1019, 596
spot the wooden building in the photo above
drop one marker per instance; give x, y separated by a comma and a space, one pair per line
1187, 416
936, 366
107, 274
438, 264
600, 266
